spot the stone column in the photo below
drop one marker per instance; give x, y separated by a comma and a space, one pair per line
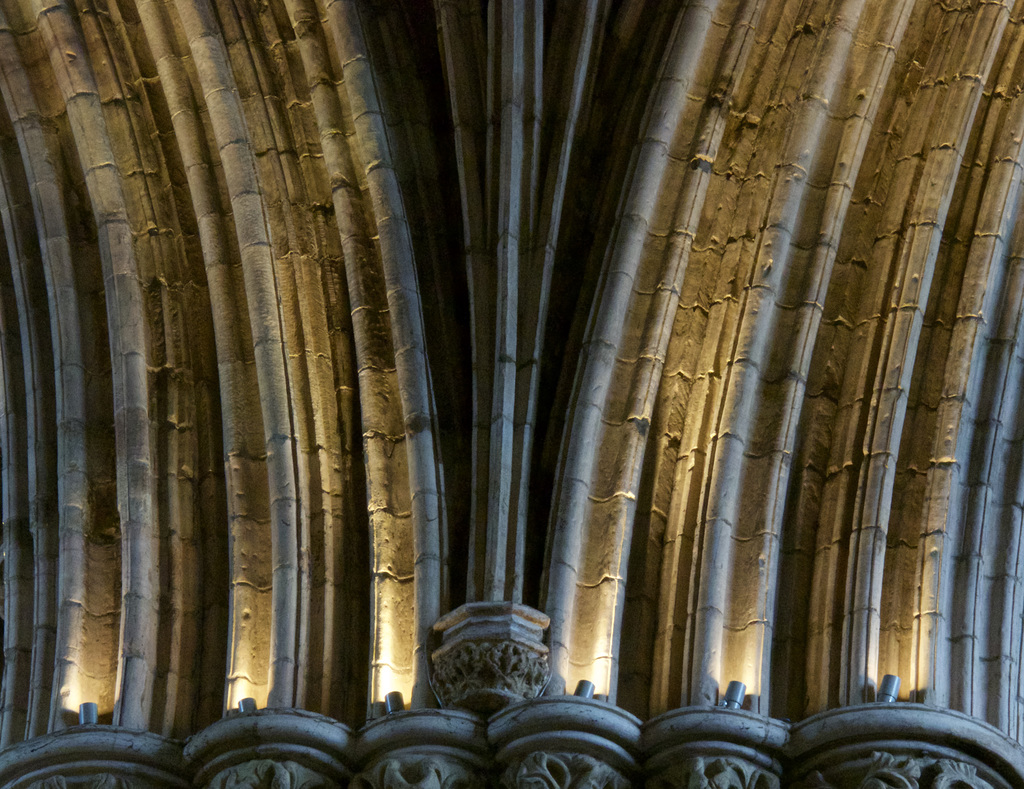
95, 757
285, 748
902, 746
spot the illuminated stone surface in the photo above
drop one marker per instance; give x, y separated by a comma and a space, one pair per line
695, 327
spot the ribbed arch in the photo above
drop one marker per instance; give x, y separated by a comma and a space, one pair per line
14, 441
87, 611
696, 325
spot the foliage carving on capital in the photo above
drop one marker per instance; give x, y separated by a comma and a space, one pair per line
720, 772
417, 773
103, 781
892, 772
957, 775
268, 774
509, 668
541, 770
889, 771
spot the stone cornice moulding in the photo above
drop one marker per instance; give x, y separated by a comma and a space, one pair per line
843, 747
84, 752
316, 742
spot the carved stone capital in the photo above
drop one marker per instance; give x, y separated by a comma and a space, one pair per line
901, 746
543, 770
565, 742
426, 749
491, 656
713, 748
418, 772
485, 675
94, 757
268, 774
713, 772
894, 771
268, 749
103, 781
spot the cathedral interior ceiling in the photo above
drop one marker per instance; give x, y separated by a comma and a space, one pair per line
698, 327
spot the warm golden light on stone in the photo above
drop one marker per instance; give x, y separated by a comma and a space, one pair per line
470, 350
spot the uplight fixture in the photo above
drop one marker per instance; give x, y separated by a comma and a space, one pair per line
393, 702
247, 705
889, 690
734, 695
88, 713
584, 689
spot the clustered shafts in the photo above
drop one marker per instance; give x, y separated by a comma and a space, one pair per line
692, 327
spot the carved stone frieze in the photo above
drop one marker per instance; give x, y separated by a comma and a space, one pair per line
542, 770
412, 772
268, 774
722, 772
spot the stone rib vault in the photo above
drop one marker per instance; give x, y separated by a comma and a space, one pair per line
652, 343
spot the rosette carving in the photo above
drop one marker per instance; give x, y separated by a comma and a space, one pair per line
542, 770
417, 773
714, 773
504, 668
267, 774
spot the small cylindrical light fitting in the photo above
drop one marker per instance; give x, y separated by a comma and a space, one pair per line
584, 689
247, 705
600, 697
734, 695
393, 702
88, 713
889, 690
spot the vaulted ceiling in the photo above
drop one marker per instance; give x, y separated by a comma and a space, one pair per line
697, 326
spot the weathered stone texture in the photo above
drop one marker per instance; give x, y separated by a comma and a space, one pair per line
266, 774
416, 771
696, 326
541, 770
